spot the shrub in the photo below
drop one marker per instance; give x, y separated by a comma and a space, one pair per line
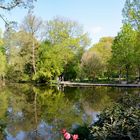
119, 122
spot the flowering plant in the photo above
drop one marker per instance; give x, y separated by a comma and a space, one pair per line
68, 136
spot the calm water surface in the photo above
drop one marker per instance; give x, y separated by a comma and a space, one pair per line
41, 112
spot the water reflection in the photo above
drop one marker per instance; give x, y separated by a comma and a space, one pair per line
43, 132
40, 112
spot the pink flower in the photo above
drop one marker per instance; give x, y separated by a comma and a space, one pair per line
67, 136
75, 137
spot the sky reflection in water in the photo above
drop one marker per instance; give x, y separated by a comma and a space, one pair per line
41, 112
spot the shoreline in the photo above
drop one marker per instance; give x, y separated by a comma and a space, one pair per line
78, 84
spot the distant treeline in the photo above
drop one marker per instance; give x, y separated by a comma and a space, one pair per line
56, 49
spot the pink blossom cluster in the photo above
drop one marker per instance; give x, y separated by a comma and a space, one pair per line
68, 136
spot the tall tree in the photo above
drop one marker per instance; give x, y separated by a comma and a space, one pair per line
3, 62
137, 54
103, 49
2, 66
15, 61
123, 49
50, 62
32, 25
70, 36
131, 13
91, 65
18, 47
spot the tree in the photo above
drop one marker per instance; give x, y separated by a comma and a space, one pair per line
131, 13
15, 62
32, 25
91, 65
2, 66
50, 62
123, 49
18, 45
95, 60
69, 36
137, 55
3, 63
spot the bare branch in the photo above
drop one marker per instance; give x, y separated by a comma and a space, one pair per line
15, 3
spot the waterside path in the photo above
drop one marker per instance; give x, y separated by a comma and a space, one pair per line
75, 84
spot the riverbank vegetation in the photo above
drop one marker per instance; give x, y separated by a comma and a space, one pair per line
117, 122
44, 51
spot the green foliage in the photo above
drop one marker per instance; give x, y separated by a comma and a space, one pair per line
2, 129
123, 49
83, 132
62, 30
91, 65
121, 121
95, 60
18, 55
3, 64
70, 38
50, 63
117, 121
131, 13
63, 54
62, 51
21, 48
103, 48
123, 46
27, 61
3, 67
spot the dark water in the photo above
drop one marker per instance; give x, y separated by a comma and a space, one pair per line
39, 113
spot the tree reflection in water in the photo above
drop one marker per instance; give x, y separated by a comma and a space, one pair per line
41, 112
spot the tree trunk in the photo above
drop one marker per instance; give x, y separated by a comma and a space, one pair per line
35, 111
139, 74
120, 75
33, 57
2, 80
127, 72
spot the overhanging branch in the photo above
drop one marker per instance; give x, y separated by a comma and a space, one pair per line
11, 5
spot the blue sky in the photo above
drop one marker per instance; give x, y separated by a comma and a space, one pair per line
98, 17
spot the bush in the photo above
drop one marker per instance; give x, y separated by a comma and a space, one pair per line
2, 129
83, 132
119, 122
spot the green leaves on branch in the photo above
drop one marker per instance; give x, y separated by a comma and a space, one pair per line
119, 122
94, 62
131, 13
50, 63
123, 54
3, 63
61, 54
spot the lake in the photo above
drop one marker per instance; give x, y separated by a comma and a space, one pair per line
40, 112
